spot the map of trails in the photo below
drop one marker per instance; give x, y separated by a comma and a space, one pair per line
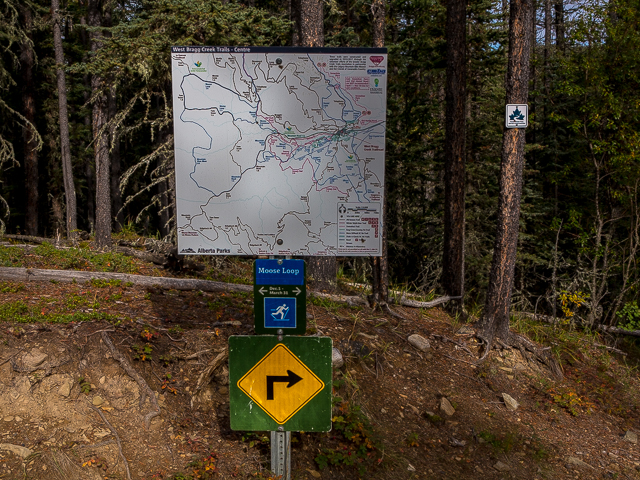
279, 151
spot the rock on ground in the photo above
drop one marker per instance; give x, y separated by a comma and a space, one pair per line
419, 342
34, 358
337, 360
578, 462
17, 449
510, 402
446, 407
65, 389
630, 437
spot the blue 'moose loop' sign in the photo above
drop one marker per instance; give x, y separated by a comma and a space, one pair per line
280, 297
279, 272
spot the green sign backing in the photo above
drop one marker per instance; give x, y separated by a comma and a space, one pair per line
280, 384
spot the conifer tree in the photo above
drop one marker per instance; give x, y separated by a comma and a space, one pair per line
63, 119
496, 315
454, 150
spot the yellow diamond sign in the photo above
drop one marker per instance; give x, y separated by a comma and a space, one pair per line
280, 384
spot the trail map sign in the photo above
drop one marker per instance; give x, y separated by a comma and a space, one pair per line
280, 297
279, 150
283, 384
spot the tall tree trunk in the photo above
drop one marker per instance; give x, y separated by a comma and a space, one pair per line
88, 161
100, 137
547, 48
27, 63
67, 172
380, 265
89, 175
322, 271
559, 8
311, 23
495, 320
294, 17
114, 141
547, 30
116, 195
454, 150
164, 187
378, 8
505, 13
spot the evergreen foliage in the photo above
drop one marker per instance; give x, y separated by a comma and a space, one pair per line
580, 222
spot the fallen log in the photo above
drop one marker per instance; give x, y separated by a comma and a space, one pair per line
348, 299
433, 303
141, 255
19, 274
36, 240
619, 331
25, 275
602, 328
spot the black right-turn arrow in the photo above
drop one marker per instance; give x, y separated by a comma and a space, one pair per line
291, 378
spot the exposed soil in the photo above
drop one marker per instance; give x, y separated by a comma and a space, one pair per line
55, 377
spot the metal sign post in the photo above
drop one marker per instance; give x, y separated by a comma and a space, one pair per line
280, 384
281, 454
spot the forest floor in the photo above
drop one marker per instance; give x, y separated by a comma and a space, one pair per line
68, 410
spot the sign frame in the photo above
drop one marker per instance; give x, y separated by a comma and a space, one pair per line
246, 353
241, 213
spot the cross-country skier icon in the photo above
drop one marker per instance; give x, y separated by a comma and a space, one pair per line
282, 311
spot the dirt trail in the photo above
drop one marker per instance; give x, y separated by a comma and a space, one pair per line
54, 377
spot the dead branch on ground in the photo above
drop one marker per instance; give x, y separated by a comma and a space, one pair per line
11, 356
145, 390
433, 303
115, 434
447, 339
207, 374
385, 307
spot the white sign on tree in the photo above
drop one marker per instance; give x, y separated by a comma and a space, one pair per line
279, 150
517, 116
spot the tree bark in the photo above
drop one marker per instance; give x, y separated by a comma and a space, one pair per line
89, 168
116, 195
27, 63
322, 271
311, 23
100, 137
559, 9
87, 160
294, 17
547, 48
547, 30
380, 265
65, 149
378, 8
495, 319
454, 151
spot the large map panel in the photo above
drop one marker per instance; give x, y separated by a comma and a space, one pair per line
278, 150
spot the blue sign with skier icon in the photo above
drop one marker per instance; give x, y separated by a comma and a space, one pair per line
280, 312
279, 297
